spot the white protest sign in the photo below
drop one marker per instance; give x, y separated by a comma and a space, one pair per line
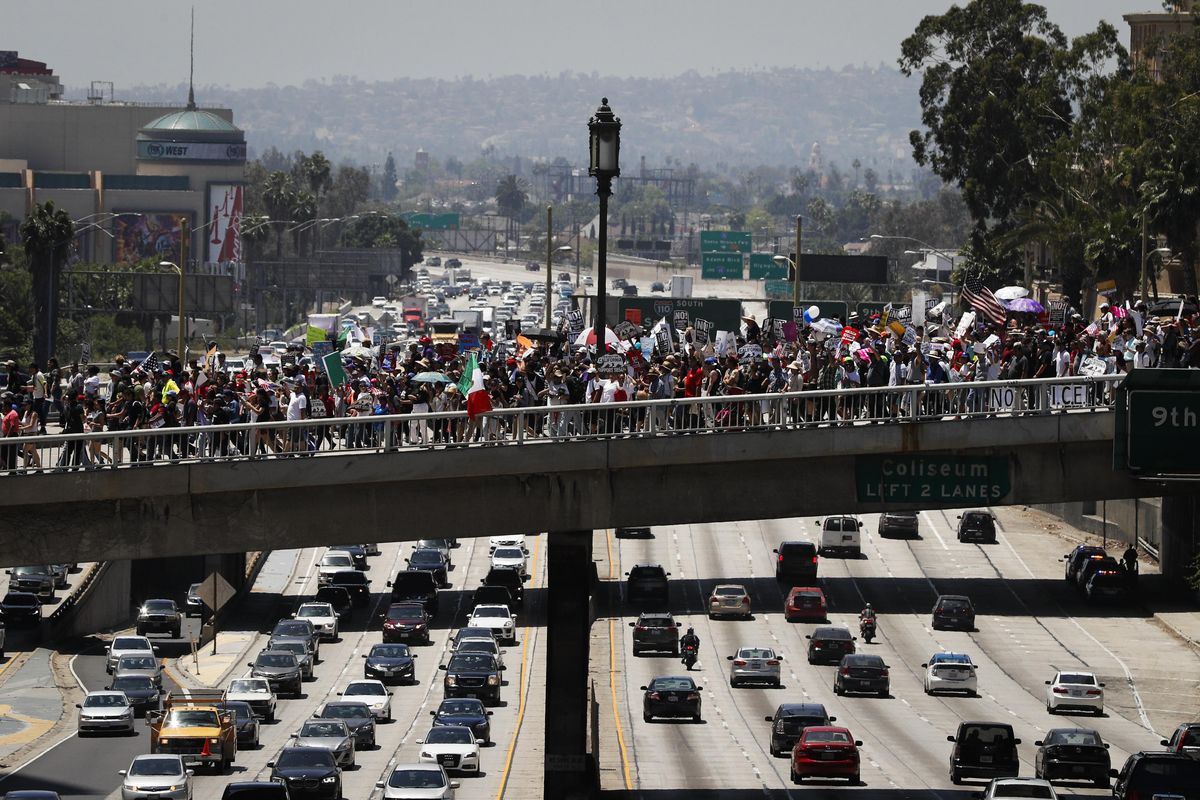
725, 343
964, 324
85, 354
1003, 398
1093, 366
627, 330
1070, 395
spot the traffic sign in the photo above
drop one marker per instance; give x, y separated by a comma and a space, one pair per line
717, 265
215, 591
727, 241
956, 480
390, 279
763, 267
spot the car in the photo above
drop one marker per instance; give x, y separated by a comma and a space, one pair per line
322, 616
827, 645
754, 665
480, 644
1148, 775
416, 586
358, 719
977, 526
493, 595
862, 672
826, 752
507, 540
444, 546
510, 579
59, 572
337, 597
356, 583
139, 664
953, 611
1074, 560
671, 696
1076, 690
301, 630
473, 675
333, 561
1032, 788
790, 720
417, 782
127, 645
1072, 754
1096, 565
37, 580
637, 532
453, 747
281, 669
729, 600
513, 557
105, 712
390, 662
371, 693
899, 523
629, 290
462, 634
1184, 739
256, 693
647, 583
378, 302
657, 286
587, 280
406, 622
430, 559
806, 603
497, 617
31, 794
158, 776
371, 548
841, 535
434, 261
983, 750
468, 711
533, 266
656, 631
357, 553
453, 263
21, 609
279, 347
255, 790
247, 724
327, 734
1107, 584
950, 672
308, 772
193, 604
141, 691
795, 561
298, 649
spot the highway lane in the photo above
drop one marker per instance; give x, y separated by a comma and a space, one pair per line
1030, 622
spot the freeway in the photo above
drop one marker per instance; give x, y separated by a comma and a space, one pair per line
1030, 622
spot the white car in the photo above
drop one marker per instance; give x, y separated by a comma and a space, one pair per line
450, 747
378, 302
508, 540
155, 776
280, 348
332, 562
256, 693
950, 672
105, 712
754, 665
587, 280
417, 782
373, 694
1074, 690
478, 644
497, 617
1025, 788
509, 557
322, 616
127, 646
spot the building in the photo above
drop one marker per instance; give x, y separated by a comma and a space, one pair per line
127, 173
1148, 31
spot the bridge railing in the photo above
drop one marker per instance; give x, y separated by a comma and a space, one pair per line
559, 423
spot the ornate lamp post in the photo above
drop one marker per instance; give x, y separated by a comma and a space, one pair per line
604, 145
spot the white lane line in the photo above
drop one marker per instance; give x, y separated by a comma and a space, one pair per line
933, 528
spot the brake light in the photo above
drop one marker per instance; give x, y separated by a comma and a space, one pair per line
694, 696
640, 628
814, 559
739, 662
781, 556
745, 601
885, 673
1093, 692
845, 670
772, 662
714, 601
655, 696
1059, 690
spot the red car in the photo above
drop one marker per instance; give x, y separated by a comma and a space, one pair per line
805, 602
826, 752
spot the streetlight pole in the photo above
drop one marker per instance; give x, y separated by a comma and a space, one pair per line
549, 256
796, 265
184, 241
604, 140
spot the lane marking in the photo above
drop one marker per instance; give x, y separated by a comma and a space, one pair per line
524, 694
612, 676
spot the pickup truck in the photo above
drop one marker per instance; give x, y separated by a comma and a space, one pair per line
195, 726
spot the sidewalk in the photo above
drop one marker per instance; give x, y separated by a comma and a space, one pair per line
30, 704
209, 669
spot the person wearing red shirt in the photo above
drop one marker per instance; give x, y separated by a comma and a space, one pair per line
691, 388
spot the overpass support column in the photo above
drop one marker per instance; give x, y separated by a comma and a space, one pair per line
1179, 536
568, 768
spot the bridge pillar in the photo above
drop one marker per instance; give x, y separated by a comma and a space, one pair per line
1180, 536
569, 772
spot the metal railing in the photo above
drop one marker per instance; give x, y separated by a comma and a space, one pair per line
126, 449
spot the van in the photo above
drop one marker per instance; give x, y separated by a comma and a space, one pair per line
796, 561
983, 750
841, 536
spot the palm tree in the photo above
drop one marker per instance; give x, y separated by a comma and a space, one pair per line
46, 235
277, 197
511, 196
317, 170
304, 210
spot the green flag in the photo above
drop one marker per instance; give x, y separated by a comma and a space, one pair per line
333, 368
315, 335
464, 385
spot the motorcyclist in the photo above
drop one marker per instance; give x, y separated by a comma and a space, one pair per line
867, 614
690, 639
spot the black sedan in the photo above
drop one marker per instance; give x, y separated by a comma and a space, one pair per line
21, 608
358, 719
141, 690
429, 559
390, 662
827, 645
338, 597
1072, 754
468, 711
671, 696
308, 772
246, 724
861, 673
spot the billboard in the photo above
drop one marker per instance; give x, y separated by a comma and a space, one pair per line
225, 223
149, 234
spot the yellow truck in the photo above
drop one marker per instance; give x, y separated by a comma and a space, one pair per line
195, 725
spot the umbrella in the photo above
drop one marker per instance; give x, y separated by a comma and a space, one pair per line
827, 326
431, 377
1026, 305
589, 337
543, 335
358, 351
1011, 293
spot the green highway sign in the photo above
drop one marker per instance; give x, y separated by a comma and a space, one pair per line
777, 290
726, 241
1164, 431
941, 479
725, 315
714, 266
763, 267
431, 222
830, 309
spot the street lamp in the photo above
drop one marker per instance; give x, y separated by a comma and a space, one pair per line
550, 251
178, 271
604, 145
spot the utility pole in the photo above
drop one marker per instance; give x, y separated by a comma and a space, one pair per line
185, 240
549, 256
796, 265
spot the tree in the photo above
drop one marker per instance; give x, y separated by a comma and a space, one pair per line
277, 193
304, 214
384, 231
388, 189
857, 167
511, 195
870, 180
46, 235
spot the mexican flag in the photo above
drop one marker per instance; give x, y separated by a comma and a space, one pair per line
471, 387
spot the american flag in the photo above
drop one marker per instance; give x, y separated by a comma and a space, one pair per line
982, 300
150, 365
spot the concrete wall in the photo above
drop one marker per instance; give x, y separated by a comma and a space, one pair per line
106, 605
1124, 518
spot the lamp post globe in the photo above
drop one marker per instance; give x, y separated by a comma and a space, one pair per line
604, 148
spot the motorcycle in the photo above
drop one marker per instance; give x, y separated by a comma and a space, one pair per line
866, 629
690, 655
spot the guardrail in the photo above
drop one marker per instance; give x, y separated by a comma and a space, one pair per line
557, 424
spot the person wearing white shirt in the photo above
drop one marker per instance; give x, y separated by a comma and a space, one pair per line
297, 405
1062, 361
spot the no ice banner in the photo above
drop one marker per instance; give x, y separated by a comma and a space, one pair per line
953, 480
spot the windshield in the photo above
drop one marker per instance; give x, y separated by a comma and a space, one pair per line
133, 682
390, 651
756, 652
643, 573
337, 560
405, 612
314, 611
366, 687
797, 724
491, 611
292, 628
416, 779
729, 591
1072, 677
30, 571
817, 737
1022, 790
1079, 738
449, 735
159, 607
276, 660
104, 701
346, 711
297, 648
19, 599
319, 728
478, 646
426, 557
241, 711
667, 684
255, 687
160, 765
508, 552
191, 718
461, 707
955, 605
657, 622
472, 661
130, 643
137, 662
304, 758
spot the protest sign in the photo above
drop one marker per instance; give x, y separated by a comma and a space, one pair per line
627, 330
701, 331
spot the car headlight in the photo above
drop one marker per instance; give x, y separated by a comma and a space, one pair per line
451, 680
214, 741
329, 779
493, 680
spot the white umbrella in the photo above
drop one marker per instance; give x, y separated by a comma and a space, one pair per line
827, 326
1011, 293
588, 337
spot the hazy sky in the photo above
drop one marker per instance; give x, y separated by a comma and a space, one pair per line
247, 43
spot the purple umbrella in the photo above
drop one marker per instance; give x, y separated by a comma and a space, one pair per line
1025, 305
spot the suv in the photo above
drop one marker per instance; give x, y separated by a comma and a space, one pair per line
510, 579
796, 560
159, 616
841, 535
493, 595
127, 645
356, 583
899, 523
1148, 775
861, 673
647, 582
417, 586
656, 632
953, 611
1184, 739
1077, 558
789, 722
35, 580
338, 597
978, 526
473, 675
983, 750
828, 645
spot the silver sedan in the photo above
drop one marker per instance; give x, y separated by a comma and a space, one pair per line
151, 777
329, 734
729, 600
105, 712
754, 665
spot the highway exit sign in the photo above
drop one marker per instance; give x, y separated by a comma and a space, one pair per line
725, 241
1158, 423
717, 265
953, 480
763, 267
